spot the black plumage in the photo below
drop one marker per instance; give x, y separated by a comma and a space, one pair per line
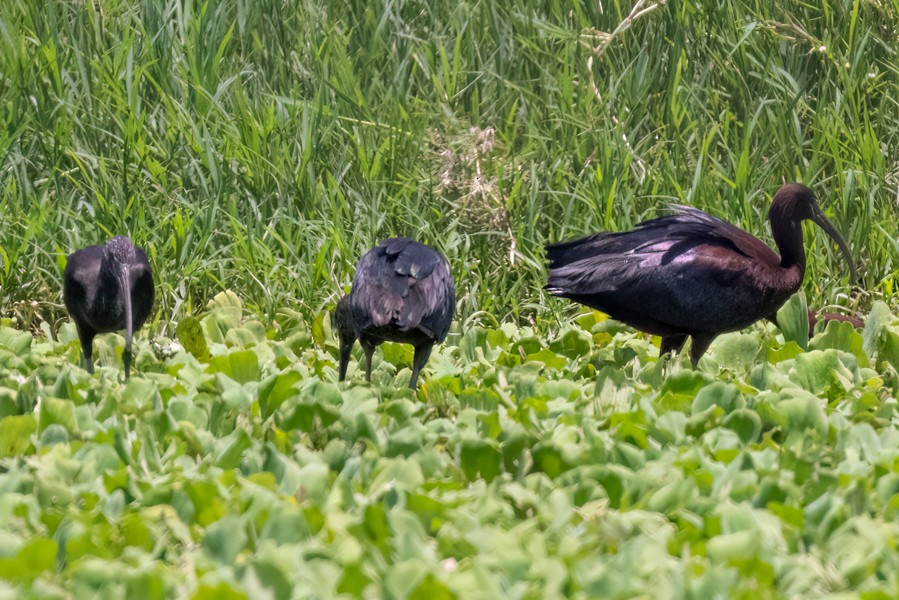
689, 274
402, 292
108, 288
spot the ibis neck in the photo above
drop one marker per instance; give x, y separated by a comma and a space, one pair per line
788, 237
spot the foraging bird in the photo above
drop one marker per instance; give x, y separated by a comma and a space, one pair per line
108, 288
402, 292
690, 274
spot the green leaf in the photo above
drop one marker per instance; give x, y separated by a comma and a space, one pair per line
792, 318
59, 412
318, 329
220, 591
815, 370
572, 343
233, 447
224, 539
241, 365
745, 423
736, 350
227, 305
549, 358
33, 559
17, 342
841, 336
15, 435
803, 411
879, 317
274, 390
480, 457
725, 395
190, 335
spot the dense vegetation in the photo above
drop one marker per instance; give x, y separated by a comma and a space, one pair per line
261, 146
256, 148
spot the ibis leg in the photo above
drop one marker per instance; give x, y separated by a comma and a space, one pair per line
699, 345
369, 348
672, 343
87, 341
422, 354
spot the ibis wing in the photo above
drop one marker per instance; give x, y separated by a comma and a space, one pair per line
377, 295
403, 283
432, 301
81, 278
683, 230
696, 223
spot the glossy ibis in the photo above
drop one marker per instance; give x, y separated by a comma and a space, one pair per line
689, 274
402, 292
108, 288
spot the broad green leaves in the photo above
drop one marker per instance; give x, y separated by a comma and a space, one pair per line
573, 464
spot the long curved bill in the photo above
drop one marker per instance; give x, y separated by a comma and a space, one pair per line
826, 225
125, 277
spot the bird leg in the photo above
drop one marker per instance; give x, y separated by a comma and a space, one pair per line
700, 343
369, 348
87, 351
672, 343
422, 354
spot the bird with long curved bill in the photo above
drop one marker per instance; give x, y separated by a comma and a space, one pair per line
690, 274
108, 288
402, 292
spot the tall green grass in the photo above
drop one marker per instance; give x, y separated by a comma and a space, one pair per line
263, 145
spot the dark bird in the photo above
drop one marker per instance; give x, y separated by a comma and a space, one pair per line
689, 273
402, 292
108, 288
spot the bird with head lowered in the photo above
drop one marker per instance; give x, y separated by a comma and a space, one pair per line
402, 292
108, 288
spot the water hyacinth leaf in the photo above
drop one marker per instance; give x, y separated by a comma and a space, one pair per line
224, 314
397, 355
736, 350
815, 370
57, 412
227, 305
745, 423
219, 591
792, 318
34, 558
804, 411
17, 342
473, 339
15, 434
889, 348
841, 336
224, 539
572, 343
786, 352
721, 394
190, 335
241, 365
274, 390
480, 458
232, 447
54, 434
877, 320
318, 329
549, 358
